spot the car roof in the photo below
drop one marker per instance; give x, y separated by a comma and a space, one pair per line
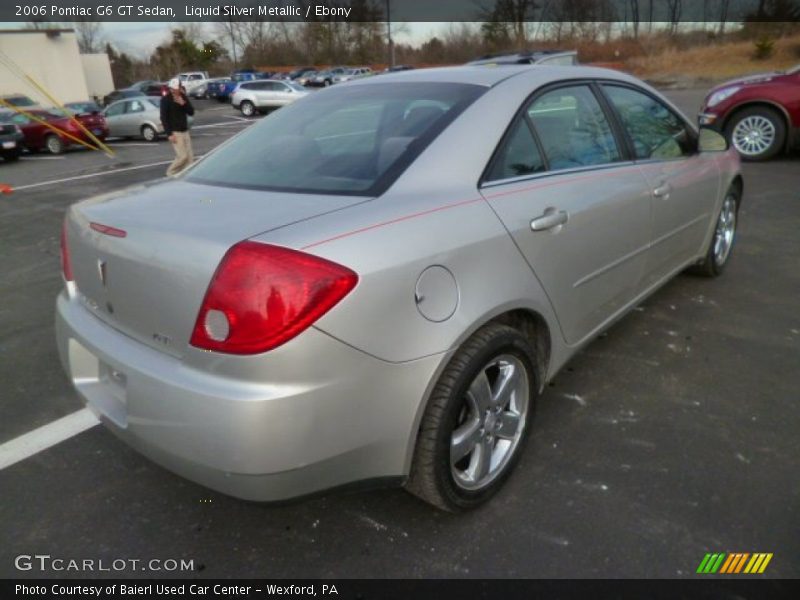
491, 75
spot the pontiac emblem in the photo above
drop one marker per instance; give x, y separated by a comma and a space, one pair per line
101, 271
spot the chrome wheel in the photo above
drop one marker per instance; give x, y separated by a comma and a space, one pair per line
148, 133
247, 109
754, 135
54, 145
491, 422
726, 230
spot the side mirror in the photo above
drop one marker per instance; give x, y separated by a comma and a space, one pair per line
711, 141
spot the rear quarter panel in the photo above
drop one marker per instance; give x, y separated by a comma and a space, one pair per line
432, 215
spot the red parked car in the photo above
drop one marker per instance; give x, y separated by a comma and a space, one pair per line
759, 114
39, 137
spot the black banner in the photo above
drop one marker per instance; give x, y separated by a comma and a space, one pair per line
671, 11
380, 589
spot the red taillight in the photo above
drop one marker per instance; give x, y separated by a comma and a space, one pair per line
262, 296
66, 264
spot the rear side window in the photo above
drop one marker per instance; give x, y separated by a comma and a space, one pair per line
656, 131
573, 128
518, 156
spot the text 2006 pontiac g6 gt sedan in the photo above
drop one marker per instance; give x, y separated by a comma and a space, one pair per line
375, 283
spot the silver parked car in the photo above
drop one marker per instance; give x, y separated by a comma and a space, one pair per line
254, 96
375, 283
135, 117
350, 74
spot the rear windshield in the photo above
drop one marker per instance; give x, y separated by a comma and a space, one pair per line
351, 140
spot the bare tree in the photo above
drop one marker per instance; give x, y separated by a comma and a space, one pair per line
229, 32
675, 8
635, 18
89, 36
723, 15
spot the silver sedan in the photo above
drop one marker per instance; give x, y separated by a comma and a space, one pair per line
135, 117
375, 283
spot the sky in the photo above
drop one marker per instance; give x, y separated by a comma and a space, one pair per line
139, 39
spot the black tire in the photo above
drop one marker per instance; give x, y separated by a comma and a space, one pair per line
12, 155
248, 108
54, 144
754, 113
149, 133
432, 477
713, 264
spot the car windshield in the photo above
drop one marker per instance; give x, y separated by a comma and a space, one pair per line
296, 86
353, 140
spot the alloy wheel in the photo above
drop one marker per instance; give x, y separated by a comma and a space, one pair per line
725, 231
491, 422
754, 135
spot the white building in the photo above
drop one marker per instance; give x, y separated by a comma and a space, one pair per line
51, 57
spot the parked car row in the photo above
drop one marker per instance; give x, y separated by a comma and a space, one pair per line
50, 130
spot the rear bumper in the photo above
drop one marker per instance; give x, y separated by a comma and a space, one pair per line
311, 415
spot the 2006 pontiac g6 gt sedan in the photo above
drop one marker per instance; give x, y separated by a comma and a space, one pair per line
375, 283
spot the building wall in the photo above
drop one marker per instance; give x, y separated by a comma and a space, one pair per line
97, 69
53, 61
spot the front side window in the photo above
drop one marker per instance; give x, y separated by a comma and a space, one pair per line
573, 128
345, 141
656, 131
518, 156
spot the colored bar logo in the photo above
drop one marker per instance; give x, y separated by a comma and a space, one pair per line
733, 563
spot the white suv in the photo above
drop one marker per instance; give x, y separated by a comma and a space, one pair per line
253, 96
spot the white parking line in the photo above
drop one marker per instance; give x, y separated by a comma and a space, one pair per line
228, 107
46, 436
128, 144
238, 124
237, 118
89, 175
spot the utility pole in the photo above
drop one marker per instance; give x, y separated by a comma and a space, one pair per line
389, 31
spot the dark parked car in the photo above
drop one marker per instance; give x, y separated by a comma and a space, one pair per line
327, 77
37, 136
397, 68
121, 94
293, 75
224, 89
759, 114
11, 138
84, 108
19, 100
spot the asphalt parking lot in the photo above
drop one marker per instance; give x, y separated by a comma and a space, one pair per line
673, 435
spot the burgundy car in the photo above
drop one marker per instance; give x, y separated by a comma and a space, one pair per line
40, 137
759, 114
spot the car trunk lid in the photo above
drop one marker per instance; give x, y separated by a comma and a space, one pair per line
142, 258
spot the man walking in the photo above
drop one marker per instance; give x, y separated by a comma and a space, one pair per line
175, 110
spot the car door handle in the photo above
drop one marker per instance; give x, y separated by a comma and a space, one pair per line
662, 191
551, 218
